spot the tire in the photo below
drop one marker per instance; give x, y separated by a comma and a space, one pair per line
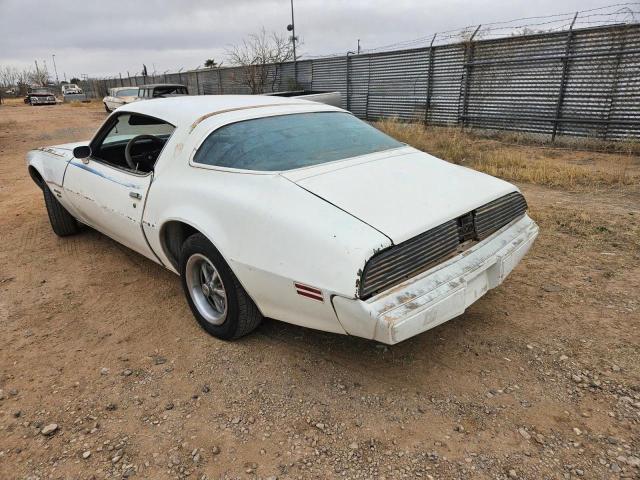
62, 222
106, 108
241, 316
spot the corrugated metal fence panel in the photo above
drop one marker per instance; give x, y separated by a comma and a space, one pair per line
356, 100
594, 82
330, 74
285, 77
398, 84
446, 81
191, 82
514, 83
305, 75
208, 82
625, 96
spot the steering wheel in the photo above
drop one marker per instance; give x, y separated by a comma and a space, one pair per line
127, 151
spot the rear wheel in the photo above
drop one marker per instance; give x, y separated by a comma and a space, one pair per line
216, 298
62, 222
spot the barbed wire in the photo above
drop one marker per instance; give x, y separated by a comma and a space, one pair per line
501, 29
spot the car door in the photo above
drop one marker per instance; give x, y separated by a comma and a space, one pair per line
109, 200
108, 196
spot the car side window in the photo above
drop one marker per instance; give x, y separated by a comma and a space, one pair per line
110, 146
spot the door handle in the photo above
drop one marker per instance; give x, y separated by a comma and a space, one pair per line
135, 195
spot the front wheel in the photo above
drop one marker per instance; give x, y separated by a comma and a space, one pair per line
216, 298
62, 222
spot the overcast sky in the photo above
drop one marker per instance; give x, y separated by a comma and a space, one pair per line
105, 37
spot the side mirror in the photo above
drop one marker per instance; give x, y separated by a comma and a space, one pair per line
82, 152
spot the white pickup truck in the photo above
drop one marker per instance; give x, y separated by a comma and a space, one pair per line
72, 93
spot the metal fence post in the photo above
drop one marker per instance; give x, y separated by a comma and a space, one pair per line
366, 104
563, 78
464, 86
615, 81
427, 103
348, 81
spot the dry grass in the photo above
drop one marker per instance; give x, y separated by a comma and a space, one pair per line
12, 101
506, 158
590, 227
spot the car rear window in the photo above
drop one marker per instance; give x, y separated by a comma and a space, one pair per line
287, 142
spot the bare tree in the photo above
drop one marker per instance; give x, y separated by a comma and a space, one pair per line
257, 55
11, 76
7, 76
39, 76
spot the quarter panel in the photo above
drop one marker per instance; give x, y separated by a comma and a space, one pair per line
267, 223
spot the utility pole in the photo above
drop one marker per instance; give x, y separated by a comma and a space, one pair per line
358, 46
292, 28
55, 69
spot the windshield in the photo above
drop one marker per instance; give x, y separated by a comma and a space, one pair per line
292, 141
129, 92
41, 90
129, 125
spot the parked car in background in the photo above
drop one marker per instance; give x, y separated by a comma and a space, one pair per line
159, 90
119, 96
71, 89
289, 209
72, 93
40, 96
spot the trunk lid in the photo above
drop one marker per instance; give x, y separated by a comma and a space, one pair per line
402, 192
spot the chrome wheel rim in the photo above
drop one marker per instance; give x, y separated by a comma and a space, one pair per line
206, 289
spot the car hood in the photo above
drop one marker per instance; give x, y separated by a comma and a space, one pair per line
401, 192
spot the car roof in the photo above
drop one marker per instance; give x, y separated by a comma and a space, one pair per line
186, 110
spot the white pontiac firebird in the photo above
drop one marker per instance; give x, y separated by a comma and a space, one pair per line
289, 209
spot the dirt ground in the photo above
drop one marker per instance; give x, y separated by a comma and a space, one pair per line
539, 379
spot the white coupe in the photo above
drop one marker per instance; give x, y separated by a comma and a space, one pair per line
289, 209
119, 96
